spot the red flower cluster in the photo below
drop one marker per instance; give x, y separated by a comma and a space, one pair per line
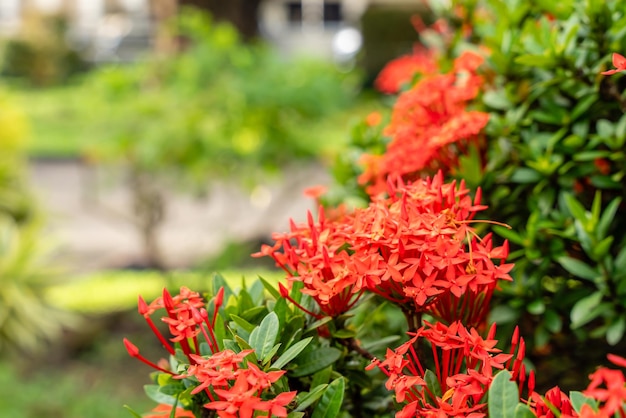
236, 388
464, 364
236, 391
430, 126
403, 70
607, 387
414, 248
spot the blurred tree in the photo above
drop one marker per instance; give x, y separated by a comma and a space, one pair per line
163, 12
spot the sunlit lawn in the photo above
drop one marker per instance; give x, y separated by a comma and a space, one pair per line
60, 121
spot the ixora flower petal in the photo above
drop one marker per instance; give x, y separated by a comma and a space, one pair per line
619, 62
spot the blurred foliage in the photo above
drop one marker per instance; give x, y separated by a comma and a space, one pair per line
387, 33
39, 53
25, 268
219, 108
555, 164
15, 200
552, 166
317, 353
26, 320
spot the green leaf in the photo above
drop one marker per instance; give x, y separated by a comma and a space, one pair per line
322, 377
523, 411
315, 360
607, 217
325, 320
497, 99
525, 175
245, 325
615, 332
578, 268
330, 403
263, 337
533, 60
503, 396
583, 105
578, 400
132, 412
432, 383
509, 234
306, 399
153, 392
601, 249
552, 321
291, 353
536, 307
270, 355
583, 311
270, 288
576, 209
344, 333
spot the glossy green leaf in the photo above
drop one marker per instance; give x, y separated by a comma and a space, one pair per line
270, 288
306, 399
270, 355
503, 396
583, 105
615, 332
330, 403
578, 268
154, 392
312, 361
583, 311
291, 353
607, 217
523, 411
432, 383
578, 400
242, 323
263, 337
525, 175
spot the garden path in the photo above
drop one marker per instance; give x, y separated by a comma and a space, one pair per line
88, 214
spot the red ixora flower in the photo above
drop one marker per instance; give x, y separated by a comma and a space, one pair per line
401, 71
430, 126
414, 247
608, 386
619, 62
464, 365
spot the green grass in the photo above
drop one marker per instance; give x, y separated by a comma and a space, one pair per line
58, 127
76, 391
115, 291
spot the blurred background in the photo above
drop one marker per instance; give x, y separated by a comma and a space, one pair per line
151, 143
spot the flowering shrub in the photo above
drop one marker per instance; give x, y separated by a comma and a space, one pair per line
327, 342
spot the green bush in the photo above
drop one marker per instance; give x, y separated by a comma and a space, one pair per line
550, 163
39, 53
221, 108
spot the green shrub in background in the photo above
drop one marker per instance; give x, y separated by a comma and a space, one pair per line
221, 108
15, 201
39, 53
551, 165
26, 319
